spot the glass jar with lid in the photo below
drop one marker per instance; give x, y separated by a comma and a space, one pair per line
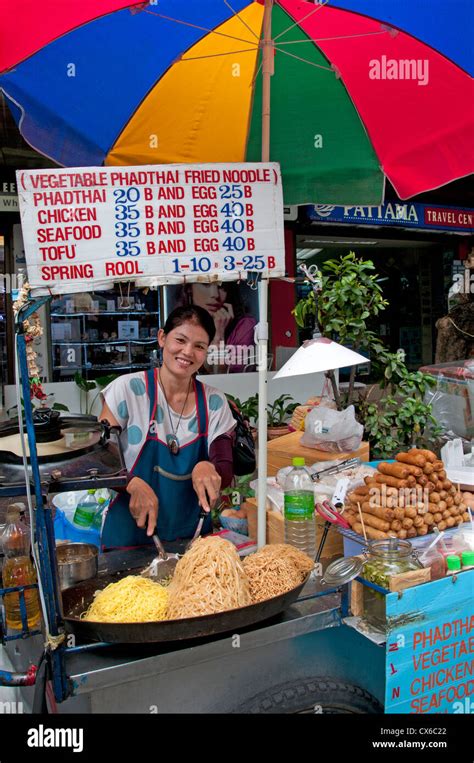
385, 558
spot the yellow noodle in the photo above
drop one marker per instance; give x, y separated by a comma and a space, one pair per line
131, 600
208, 579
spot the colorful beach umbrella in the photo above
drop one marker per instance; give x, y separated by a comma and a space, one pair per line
362, 89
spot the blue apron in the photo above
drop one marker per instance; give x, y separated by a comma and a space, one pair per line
170, 478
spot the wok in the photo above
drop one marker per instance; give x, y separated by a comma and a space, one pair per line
77, 598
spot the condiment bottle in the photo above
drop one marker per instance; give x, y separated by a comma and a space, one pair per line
467, 558
18, 570
436, 561
454, 564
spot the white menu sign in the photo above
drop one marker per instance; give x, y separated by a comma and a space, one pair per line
85, 228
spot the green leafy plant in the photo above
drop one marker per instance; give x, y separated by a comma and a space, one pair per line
280, 411
59, 407
86, 386
349, 298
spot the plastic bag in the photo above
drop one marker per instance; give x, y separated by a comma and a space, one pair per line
332, 431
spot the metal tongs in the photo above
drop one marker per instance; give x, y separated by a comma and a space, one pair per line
347, 464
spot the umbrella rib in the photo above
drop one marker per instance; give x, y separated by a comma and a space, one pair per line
341, 37
305, 61
196, 26
215, 55
237, 14
297, 23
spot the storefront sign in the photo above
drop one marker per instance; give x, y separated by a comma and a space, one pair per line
430, 649
402, 214
86, 228
8, 202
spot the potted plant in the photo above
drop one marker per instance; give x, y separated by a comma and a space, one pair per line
278, 415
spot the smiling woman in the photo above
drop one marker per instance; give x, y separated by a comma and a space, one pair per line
177, 438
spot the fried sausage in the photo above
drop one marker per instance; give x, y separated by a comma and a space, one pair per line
400, 471
386, 479
412, 459
378, 511
371, 532
428, 454
373, 521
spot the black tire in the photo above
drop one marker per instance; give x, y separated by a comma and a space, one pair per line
313, 695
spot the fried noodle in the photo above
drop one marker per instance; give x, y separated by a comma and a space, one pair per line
276, 569
208, 579
131, 600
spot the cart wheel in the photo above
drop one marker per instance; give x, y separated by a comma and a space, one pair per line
313, 695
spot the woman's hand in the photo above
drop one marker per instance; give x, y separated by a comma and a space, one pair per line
143, 504
222, 318
206, 483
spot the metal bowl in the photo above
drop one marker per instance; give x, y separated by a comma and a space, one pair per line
76, 562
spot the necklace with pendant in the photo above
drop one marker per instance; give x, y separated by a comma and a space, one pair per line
172, 439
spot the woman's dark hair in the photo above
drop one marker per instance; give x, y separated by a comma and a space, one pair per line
190, 314
234, 296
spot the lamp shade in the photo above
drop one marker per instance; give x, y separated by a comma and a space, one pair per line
319, 355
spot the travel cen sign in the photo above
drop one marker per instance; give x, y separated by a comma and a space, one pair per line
406, 215
83, 229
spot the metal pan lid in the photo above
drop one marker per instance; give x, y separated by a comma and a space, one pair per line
343, 570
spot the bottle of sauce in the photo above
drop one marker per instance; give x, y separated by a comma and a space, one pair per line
18, 570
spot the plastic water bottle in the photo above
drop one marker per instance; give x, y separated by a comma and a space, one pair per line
18, 570
86, 510
99, 515
300, 524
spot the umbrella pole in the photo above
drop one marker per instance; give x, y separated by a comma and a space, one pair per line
267, 71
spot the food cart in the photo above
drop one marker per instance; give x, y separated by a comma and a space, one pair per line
300, 654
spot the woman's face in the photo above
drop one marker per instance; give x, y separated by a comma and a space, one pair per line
184, 349
210, 296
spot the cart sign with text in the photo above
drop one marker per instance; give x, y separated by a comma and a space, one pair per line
430, 648
87, 228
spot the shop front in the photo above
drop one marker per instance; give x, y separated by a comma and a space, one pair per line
419, 252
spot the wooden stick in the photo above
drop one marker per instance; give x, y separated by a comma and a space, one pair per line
362, 522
